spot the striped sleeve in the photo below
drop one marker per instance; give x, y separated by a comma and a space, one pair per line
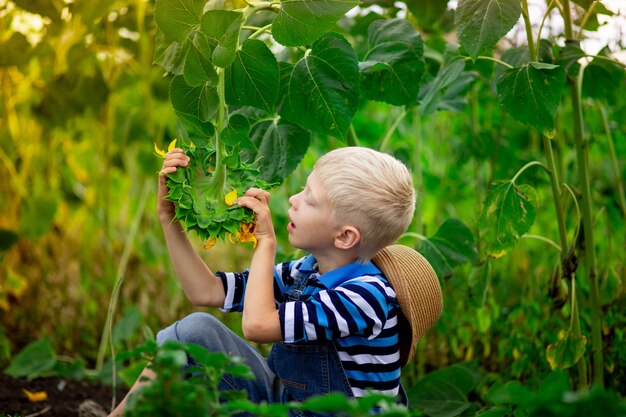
234, 289
359, 307
235, 286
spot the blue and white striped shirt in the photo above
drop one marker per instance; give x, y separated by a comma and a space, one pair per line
354, 306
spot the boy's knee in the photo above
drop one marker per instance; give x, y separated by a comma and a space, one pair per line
194, 328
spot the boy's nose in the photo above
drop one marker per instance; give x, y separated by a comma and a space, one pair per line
293, 199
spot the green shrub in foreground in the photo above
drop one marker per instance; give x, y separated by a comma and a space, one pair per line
443, 393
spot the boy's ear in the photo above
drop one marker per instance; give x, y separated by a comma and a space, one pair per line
348, 238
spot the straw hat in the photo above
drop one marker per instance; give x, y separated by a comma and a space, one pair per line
418, 292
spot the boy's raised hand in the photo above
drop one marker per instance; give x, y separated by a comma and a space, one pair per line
258, 200
173, 159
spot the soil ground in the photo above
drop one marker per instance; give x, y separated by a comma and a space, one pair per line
64, 396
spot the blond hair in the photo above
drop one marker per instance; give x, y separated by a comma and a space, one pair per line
369, 190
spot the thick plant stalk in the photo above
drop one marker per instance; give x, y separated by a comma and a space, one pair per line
558, 206
532, 50
560, 215
219, 177
582, 156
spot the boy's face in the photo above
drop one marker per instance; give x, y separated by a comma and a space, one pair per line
310, 225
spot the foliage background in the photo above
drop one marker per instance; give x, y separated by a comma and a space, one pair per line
82, 104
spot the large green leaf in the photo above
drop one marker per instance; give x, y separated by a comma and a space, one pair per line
193, 103
443, 393
33, 361
177, 19
254, 77
601, 78
170, 55
446, 76
566, 351
568, 57
321, 92
394, 64
508, 212
197, 68
427, 12
222, 28
515, 57
281, 146
590, 19
454, 97
481, 23
532, 94
236, 132
452, 245
300, 22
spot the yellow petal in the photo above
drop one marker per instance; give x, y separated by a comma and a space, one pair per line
158, 151
35, 397
246, 233
172, 145
230, 197
210, 243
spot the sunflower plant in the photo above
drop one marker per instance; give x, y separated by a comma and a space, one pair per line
253, 81
204, 192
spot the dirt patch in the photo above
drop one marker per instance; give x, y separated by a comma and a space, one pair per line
64, 396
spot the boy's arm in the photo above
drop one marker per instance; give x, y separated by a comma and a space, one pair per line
260, 321
201, 286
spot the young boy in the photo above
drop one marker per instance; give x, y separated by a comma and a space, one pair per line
332, 315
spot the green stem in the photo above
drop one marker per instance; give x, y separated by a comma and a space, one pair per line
254, 7
582, 155
529, 31
560, 215
567, 20
385, 143
528, 165
257, 30
219, 176
414, 235
618, 177
492, 59
585, 19
607, 59
555, 184
543, 21
121, 269
542, 239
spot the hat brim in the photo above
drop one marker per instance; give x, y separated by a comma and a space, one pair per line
417, 290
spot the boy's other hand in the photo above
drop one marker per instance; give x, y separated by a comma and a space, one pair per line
173, 159
258, 200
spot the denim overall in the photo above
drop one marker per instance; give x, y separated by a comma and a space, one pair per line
292, 372
307, 369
